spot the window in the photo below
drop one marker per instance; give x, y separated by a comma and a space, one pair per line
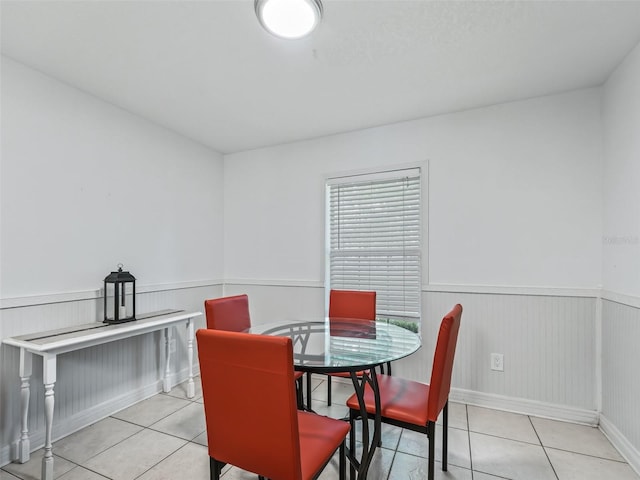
373, 224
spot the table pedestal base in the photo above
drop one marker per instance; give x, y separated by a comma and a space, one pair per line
368, 445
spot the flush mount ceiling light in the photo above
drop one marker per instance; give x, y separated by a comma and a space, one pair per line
289, 18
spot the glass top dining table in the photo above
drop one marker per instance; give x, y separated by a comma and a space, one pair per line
347, 345
342, 344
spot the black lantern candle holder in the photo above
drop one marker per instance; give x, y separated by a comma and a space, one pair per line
119, 297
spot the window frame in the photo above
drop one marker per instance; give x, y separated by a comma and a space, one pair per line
372, 174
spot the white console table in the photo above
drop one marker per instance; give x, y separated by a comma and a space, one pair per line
50, 344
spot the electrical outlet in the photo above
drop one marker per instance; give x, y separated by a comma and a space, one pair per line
497, 362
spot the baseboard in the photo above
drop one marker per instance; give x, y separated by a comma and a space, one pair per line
621, 443
92, 415
5, 455
525, 407
519, 405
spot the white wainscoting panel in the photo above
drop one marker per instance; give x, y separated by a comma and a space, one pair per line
621, 377
548, 343
277, 302
94, 382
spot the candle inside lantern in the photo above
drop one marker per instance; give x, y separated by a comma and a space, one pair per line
123, 308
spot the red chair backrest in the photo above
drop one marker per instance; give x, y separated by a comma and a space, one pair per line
443, 362
352, 304
265, 440
228, 313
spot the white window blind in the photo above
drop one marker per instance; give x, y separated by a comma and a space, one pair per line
374, 240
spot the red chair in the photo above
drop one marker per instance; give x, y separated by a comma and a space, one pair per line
232, 315
228, 313
356, 304
279, 442
352, 304
414, 405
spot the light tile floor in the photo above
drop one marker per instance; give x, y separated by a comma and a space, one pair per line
164, 438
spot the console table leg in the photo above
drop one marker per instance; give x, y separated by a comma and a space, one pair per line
49, 376
24, 444
191, 388
166, 385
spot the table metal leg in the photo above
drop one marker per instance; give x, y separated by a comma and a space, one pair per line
24, 444
368, 445
309, 407
49, 377
191, 388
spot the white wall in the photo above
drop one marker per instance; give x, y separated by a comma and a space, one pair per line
621, 260
514, 195
86, 185
621, 241
514, 223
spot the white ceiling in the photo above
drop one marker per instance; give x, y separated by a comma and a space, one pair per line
207, 70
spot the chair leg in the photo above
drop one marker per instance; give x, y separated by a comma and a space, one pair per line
445, 435
431, 432
299, 396
342, 462
309, 392
329, 390
215, 468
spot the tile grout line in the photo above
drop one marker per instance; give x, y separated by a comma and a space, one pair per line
543, 448
159, 420
493, 435
92, 471
624, 462
163, 459
395, 452
142, 429
466, 414
101, 451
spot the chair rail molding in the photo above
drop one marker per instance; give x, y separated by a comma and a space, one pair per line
271, 282
549, 291
44, 299
622, 298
